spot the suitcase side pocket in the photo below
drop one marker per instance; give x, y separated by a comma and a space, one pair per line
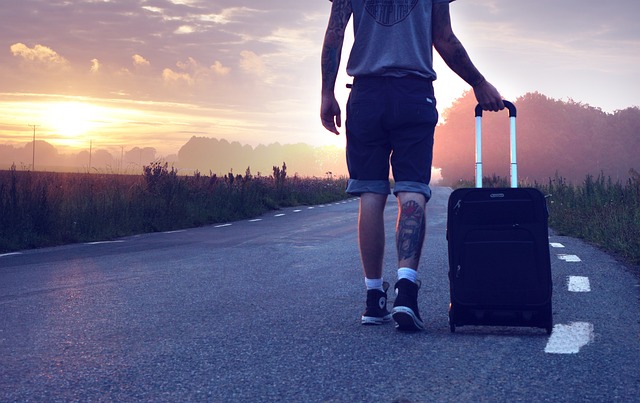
499, 267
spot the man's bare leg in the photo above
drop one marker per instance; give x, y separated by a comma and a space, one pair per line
371, 239
410, 235
410, 229
371, 233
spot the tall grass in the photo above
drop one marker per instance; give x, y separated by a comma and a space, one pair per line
601, 211
45, 209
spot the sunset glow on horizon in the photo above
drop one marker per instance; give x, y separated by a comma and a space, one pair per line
135, 75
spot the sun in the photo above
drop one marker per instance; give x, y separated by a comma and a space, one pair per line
72, 119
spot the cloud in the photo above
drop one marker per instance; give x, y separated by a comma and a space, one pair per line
172, 77
252, 63
292, 39
592, 37
140, 61
219, 69
185, 29
190, 64
229, 15
39, 54
191, 71
95, 66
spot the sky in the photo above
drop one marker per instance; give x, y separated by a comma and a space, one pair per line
154, 73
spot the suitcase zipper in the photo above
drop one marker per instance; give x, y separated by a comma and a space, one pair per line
457, 207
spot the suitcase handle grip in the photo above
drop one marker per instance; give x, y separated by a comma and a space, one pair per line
513, 112
514, 162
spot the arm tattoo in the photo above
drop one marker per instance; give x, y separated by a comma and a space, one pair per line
333, 40
410, 231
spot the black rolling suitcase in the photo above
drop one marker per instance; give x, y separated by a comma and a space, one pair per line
499, 264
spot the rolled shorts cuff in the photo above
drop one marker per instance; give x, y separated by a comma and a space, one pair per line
357, 187
413, 187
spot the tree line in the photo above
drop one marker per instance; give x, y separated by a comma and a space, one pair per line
206, 154
568, 138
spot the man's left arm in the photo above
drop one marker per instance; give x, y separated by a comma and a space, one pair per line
330, 112
455, 55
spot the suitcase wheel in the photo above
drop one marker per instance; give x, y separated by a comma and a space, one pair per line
549, 326
452, 324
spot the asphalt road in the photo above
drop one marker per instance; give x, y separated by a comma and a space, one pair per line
269, 310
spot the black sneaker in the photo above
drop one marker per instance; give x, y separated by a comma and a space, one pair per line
405, 308
376, 312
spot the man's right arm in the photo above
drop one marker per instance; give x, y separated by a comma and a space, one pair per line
330, 113
457, 58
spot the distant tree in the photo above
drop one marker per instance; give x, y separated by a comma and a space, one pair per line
140, 156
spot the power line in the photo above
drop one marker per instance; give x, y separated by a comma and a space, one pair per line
33, 162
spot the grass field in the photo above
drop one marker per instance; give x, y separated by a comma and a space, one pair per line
45, 209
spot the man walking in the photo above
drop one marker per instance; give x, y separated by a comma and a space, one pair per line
391, 118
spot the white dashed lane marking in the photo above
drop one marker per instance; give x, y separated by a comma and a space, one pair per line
578, 284
569, 258
569, 339
276, 215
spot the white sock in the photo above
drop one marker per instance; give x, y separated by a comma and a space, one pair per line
409, 274
373, 283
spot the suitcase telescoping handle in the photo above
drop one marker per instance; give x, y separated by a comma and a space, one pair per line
514, 163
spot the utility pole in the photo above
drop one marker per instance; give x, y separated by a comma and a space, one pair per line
90, 150
33, 162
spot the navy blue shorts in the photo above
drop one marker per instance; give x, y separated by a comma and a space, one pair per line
390, 120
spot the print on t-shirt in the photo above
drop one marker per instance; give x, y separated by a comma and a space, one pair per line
389, 12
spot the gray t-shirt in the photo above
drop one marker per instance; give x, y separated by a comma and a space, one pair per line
392, 38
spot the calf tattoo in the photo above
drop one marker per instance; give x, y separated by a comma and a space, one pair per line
410, 231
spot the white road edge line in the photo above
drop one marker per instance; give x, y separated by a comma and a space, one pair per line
556, 245
102, 242
11, 254
569, 339
578, 284
569, 258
